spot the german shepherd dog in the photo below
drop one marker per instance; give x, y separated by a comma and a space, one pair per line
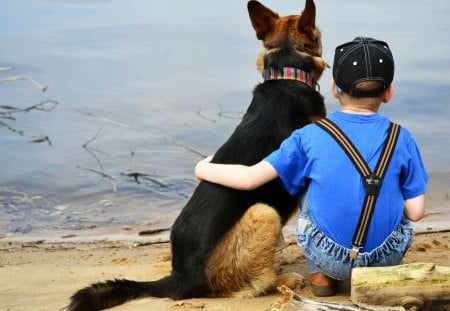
224, 241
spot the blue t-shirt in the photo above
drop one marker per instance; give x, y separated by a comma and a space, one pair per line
336, 191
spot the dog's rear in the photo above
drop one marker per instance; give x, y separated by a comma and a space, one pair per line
224, 240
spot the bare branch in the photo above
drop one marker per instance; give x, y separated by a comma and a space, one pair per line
7, 68
41, 139
41, 87
221, 114
46, 105
93, 138
103, 174
92, 150
10, 128
149, 177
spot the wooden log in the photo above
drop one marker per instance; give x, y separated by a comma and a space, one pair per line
291, 301
406, 285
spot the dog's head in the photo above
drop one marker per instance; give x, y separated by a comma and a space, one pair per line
293, 40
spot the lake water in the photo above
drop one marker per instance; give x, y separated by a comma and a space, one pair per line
139, 91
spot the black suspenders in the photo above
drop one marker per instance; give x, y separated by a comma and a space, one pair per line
371, 180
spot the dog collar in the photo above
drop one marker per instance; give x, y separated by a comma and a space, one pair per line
288, 73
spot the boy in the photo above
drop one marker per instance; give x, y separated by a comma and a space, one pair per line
363, 71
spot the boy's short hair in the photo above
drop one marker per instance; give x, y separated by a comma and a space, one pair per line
360, 60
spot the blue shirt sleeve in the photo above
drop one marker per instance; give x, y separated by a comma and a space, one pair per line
289, 162
414, 177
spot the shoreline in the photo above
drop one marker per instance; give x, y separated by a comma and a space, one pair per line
434, 222
437, 219
54, 230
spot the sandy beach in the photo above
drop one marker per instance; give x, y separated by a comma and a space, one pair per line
41, 270
41, 275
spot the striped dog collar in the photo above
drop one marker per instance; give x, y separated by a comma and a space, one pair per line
288, 73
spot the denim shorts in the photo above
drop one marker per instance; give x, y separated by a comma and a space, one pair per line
325, 255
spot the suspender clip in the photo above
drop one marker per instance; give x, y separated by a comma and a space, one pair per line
354, 252
372, 184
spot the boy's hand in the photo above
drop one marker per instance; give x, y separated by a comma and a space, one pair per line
200, 163
208, 158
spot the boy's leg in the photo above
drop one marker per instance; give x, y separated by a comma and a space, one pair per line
321, 284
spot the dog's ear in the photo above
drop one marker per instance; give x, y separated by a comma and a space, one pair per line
262, 18
307, 21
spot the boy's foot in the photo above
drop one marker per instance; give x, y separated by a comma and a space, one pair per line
321, 284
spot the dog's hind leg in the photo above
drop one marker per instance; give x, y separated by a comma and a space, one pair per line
243, 262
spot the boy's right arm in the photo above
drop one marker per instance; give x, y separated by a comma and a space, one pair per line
415, 208
236, 176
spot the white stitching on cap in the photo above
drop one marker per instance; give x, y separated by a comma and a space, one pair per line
368, 64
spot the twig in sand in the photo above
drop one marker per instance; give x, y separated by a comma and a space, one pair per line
153, 231
138, 244
430, 230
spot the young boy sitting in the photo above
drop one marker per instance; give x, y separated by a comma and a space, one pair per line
311, 158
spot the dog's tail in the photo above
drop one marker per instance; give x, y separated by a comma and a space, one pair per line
112, 293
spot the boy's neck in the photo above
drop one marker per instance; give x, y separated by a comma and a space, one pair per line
355, 110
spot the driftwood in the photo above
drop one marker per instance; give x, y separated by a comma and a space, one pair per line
291, 301
408, 285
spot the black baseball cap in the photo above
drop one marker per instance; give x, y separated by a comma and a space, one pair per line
363, 59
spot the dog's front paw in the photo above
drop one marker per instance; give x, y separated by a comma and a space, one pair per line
292, 280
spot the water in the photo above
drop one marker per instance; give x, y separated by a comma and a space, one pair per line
139, 91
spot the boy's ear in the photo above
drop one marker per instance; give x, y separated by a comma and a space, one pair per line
388, 93
334, 91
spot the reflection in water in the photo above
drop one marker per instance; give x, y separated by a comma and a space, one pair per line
139, 92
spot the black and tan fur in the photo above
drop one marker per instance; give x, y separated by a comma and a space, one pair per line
224, 240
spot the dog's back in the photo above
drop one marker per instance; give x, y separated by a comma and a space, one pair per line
203, 232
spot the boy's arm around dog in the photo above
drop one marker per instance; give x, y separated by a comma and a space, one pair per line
235, 176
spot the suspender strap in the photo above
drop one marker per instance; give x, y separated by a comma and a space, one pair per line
372, 180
